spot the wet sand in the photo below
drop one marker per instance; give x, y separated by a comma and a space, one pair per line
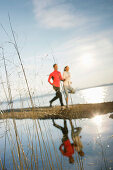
73, 112
111, 116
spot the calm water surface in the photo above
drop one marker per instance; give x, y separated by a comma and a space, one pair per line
43, 144
33, 144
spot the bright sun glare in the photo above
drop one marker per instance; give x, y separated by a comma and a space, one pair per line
94, 95
97, 119
98, 122
87, 60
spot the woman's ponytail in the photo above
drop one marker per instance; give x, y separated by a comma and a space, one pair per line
65, 68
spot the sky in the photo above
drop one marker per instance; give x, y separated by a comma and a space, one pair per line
77, 33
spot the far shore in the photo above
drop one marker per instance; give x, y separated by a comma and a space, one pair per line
73, 112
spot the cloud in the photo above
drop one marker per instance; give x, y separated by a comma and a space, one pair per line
57, 14
99, 45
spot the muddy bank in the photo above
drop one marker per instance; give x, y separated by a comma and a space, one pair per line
74, 111
111, 116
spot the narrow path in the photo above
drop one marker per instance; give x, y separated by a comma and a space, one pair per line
74, 111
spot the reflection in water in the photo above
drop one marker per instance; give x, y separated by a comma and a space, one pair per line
75, 132
68, 147
98, 121
94, 95
35, 144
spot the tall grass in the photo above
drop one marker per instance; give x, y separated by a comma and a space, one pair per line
34, 147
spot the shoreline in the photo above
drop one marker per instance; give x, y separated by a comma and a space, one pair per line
77, 111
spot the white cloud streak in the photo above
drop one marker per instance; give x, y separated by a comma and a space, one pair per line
54, 14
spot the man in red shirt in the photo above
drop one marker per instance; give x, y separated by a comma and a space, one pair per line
56, 77
66, 148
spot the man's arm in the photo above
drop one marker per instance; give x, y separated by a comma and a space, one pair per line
50, 76
64, 75
61, 150
61, 78
72, 144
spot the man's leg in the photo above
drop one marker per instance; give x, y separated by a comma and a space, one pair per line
54, 98
57, 126
59, 95
65, 127
65, 131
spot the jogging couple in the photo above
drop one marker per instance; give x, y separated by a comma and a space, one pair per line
57, 77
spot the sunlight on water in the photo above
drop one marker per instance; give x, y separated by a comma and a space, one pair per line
94, 95
97, 120
39, 144
91, 95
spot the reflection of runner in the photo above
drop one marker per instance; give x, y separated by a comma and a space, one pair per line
76, 139
66, 148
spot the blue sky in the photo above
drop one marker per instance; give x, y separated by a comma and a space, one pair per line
77, 33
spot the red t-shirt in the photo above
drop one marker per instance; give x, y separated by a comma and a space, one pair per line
68, 148
56, 75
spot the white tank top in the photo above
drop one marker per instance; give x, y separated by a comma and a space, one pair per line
67, 77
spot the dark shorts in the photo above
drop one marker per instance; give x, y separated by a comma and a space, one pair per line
65, 134
56, 88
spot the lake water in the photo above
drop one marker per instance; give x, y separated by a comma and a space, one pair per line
91, 95
34, 144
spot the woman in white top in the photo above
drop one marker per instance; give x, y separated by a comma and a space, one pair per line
67, 83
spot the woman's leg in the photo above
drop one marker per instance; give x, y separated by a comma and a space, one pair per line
67, 100
66, 94
71, 90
